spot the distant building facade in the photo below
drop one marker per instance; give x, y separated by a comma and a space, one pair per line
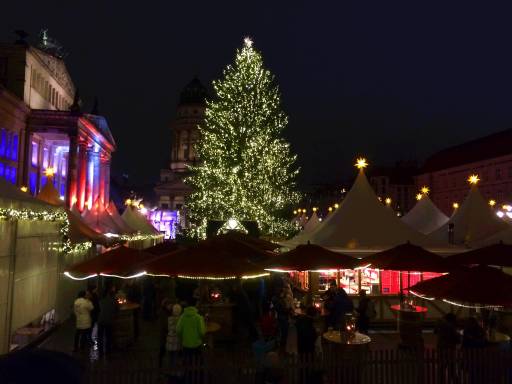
42, 127
395, 183
172, 191
447, 171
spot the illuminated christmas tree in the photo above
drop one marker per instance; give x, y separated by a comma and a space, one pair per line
247, 171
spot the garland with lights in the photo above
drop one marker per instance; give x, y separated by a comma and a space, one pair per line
247, 171
47, 215
140, 236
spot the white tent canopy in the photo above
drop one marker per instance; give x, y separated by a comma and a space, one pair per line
138, 222
425, 217
361, 223
312, 223
473, 221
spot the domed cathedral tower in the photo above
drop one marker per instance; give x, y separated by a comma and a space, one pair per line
171, 190
190, 113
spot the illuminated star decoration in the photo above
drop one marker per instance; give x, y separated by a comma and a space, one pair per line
425, 190
388, 200
455, 205
49, 172
473, 179
248, 42
419, 196
492, 202
24, 189
361, 163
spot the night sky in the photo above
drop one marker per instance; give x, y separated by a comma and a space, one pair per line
394, 80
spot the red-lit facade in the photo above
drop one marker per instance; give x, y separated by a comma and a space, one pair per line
42, 126
447, 171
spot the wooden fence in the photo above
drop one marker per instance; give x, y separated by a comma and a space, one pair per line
428, 366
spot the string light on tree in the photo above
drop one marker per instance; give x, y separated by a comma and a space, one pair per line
247, 170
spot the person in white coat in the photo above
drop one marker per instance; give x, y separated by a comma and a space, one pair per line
82, 309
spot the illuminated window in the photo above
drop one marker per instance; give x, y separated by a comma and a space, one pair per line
45, 158
8, 145
35, 153
14, 147
32, 182
2, 169
3, 142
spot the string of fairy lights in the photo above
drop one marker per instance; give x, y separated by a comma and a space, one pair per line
247, 170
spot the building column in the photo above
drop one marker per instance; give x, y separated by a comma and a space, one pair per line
103, 181
96, 161
72, 172
89, 182
82, 174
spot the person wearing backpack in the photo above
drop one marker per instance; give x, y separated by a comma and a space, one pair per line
365, 312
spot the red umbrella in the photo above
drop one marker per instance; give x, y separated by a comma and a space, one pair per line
478, 285
119, 262
310, 257
497, 254
406, 257
255, 242
163, 248
219, 257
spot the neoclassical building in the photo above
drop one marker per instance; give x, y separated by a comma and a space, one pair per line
171, 190
42, 127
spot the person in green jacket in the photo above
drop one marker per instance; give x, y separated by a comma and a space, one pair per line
191, 329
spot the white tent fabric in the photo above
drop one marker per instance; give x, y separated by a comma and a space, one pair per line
101, 221
312, 223
114, 214
473, 221
425, 217
12, 197
361, 223
138, 222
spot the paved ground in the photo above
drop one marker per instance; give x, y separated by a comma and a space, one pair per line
144, 352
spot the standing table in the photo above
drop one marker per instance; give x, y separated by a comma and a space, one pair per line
410, 319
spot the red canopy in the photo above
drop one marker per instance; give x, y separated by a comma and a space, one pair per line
219, 257
478, 285
406, 257
496, 254
163, 248
261, 244
119, 261
310, 257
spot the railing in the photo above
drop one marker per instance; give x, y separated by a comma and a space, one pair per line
428, 366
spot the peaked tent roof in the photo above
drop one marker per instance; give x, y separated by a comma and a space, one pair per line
49, 194
12, 197
361, 222
114, 214
138, 222
473, 221
100, 220
79, 231
312, 223
425, 217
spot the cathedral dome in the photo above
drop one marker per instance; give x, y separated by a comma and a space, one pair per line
193, 93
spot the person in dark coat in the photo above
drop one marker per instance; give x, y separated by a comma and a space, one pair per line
306, 332
92, 294
365, 312
165, 312
446, 330
473, 335
108, 310
342, 306
134, 295
328, 297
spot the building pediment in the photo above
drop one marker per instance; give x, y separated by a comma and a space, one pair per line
57, 69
